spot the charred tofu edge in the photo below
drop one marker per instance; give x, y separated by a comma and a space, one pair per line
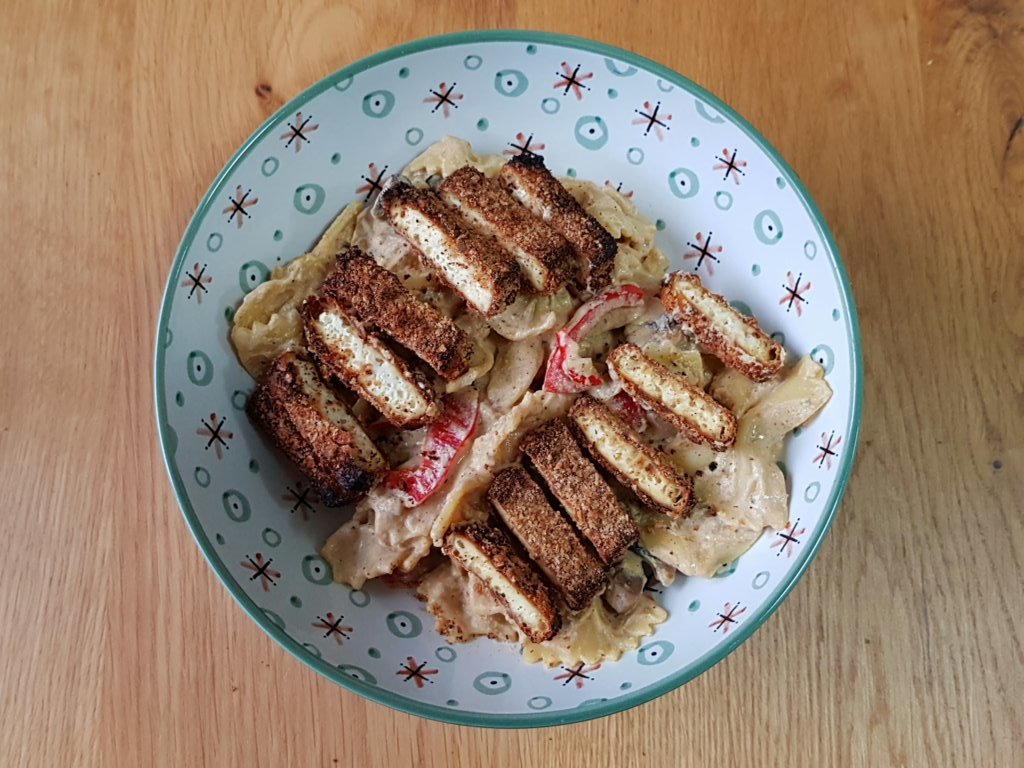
315, 430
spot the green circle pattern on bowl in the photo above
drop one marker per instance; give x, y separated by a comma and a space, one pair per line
727, 206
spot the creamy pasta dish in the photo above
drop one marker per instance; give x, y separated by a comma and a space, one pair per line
534, 419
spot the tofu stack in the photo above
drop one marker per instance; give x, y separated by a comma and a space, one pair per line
576, 484
382, 303
492, 239
736, 340
533, 185
349, 327
572, 530
473, 265
689, 409
646, 471
315, 430
543, 255
487, 553
547, 536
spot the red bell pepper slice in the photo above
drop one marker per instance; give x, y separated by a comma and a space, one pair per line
444, 440
567, 372
629, 410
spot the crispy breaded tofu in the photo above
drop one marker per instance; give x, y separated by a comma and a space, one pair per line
736, 340
640, 467
548, 537
532, 184
488, 554
544, 256
378, 300
342, 349
575, 482
689, 409
473, 265
315, 430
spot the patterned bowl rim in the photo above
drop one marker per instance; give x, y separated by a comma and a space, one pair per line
539, 719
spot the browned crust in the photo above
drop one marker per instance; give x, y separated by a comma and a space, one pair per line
497, 271
550, 540
525, 236
545, 196
714, 339
496, 547
656, 462
332, 366
325, 452
579, 487
688, 427
379, 300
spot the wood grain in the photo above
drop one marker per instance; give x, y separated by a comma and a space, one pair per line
902, 645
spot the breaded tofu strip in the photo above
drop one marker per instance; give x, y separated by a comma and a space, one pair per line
532, 184
378, 300
638, 466
315, 430
549, 539
488, 554
691, 410
544, 256
579, 487
736, 340
473, 265
342, 349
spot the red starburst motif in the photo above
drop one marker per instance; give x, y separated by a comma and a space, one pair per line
296, 136
196, 282
727, 618
524, 145
237, 210
571, 79
215, 434
417, 672
444, 98
577, 675
829, 444
333, 627
261, 570
618, 188
652, 120
788, 538
703, 251
795, 291
727, 162
374, 181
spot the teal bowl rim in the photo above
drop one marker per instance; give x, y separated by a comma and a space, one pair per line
539, 719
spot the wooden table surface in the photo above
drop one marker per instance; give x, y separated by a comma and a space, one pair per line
901, 646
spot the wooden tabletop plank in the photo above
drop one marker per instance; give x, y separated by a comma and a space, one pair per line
901, 646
